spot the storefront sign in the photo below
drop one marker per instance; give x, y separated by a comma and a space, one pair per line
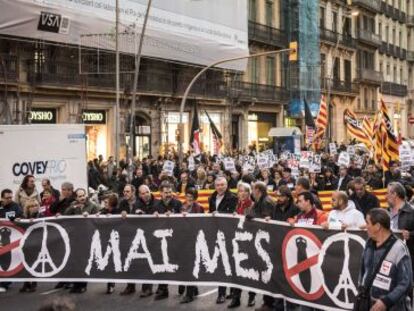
42, 116
94, 117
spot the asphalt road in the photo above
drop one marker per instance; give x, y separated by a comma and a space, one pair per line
96, 299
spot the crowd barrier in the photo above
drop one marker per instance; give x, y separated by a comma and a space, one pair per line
324, 196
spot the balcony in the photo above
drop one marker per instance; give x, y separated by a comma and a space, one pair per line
372, 5
151, 80
267, 35
395, 89
368, 37
410, 56
410, 20
332, 37
339, 86
248, 91
8, 68
370, 76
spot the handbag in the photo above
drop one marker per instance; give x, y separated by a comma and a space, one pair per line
363, 298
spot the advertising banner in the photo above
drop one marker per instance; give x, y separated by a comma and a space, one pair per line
53, 151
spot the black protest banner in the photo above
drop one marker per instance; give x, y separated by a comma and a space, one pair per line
303, 264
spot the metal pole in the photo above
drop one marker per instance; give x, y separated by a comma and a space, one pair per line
117, 106
134, 89
198, 75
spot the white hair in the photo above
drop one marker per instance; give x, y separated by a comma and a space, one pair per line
245, 186
219, 179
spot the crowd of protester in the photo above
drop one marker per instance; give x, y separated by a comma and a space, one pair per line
115, 188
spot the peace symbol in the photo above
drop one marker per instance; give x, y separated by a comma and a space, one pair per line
44, 259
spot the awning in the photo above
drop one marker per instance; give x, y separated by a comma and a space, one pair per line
284, 131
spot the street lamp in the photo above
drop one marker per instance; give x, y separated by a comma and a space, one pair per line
352, 13
198, 75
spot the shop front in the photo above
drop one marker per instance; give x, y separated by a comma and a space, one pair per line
96, 130
259, 125
170, 128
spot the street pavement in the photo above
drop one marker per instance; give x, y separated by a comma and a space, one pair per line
96, 299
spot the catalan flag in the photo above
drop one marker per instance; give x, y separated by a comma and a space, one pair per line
321, 124
355, 128
368, 128
392, 139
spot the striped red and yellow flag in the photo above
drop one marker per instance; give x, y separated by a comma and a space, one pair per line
355, 129
368, 128
392, 140
321, 124
377, 138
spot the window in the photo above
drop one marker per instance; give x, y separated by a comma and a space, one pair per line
347, 27
323, 66
334, 22
395, 74
269, 13
322, 17
270, 70
337, 70
401, 76
387, 34
388, 69
373, 98
347, 68
380, 67
254, 71
394, 41
380, 30
400, 39
252, 10
365, 98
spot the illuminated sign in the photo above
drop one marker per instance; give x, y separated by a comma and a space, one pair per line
94, 117
42, 116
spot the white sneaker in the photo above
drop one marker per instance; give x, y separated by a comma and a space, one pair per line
3, 289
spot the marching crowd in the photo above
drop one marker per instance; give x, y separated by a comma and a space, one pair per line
295, 200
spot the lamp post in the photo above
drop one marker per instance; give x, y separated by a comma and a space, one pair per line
198, 75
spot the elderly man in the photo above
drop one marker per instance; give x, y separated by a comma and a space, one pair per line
363, 200
401, 213
222, 201
344, 214
386, 272
67, 196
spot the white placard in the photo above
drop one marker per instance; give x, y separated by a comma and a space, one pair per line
229, 164
332, 149
344, 159
351, 150
169, 167
262, 161
191, 163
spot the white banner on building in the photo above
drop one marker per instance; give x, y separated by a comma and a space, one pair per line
56, 152
199, 32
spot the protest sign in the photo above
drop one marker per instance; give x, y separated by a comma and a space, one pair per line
168, 167
344, 159
264, 257
229, 164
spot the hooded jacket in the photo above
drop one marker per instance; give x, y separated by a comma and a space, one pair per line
349, 216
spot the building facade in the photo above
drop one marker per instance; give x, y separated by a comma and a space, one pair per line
363, 58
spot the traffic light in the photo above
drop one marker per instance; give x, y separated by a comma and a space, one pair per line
293, 54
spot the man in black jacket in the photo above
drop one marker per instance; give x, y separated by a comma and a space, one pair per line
222, 201
8, 208
285, 207
364, 201
47, 186
67, 196
167, 204
185, 183
402, 214
128, 203
344, 179
264, 207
